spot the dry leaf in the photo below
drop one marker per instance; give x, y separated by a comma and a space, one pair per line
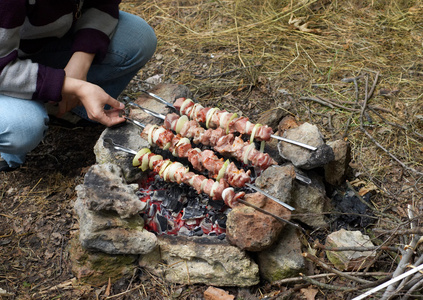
309, 293
366, 189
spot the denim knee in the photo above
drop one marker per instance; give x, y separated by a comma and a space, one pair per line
22, 130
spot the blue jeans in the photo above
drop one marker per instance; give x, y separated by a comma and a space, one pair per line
23, 123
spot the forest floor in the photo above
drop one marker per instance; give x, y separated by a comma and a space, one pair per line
353, 68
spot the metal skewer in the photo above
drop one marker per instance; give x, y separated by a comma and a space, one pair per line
141, 125
270, 196
110, 142
150, 112
158, 98
273, 136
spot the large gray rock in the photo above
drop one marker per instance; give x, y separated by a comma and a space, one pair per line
349, 260
336, 170
184, 260
284, 259
311, 202
109, 213
278, 182
301, 157
128, 136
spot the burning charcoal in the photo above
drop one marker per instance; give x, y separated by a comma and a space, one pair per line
152, 211
193, 211
218, 205
221, 236
159, 195
206, 225
197, 231
221, 220
184, 231
163, 223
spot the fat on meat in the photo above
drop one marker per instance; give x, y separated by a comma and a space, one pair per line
194, 157
178, 102
212, 164
236, 177
169, 119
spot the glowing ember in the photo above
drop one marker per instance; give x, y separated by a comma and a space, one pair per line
180, 210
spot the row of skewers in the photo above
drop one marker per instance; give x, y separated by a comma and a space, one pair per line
220, 133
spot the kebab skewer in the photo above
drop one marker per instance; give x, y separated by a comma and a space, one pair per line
213, 117
177, 172
226, 144
200, 160
199, 182
245, 153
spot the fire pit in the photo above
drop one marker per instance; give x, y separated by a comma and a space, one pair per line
179, 231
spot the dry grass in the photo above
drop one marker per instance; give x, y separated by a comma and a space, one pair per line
245, 55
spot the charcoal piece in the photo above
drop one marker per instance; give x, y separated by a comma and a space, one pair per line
171, 198
354, 213
193, 210
220, 219
197, 231
159, 195
152, 211
217, 204
162, 221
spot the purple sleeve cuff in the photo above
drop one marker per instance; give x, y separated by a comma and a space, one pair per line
91, 41
49, 84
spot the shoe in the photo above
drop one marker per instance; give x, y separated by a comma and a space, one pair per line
4, 167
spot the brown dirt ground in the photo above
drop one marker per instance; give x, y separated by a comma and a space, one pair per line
244, 56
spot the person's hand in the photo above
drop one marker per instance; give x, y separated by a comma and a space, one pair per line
76, 91
77, 68
94, 98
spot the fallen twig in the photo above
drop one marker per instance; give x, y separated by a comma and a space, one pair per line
403, 264
388, 283
317, 276
358, 249
330, 269
327, 286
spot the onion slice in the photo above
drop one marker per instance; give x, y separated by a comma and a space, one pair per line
245, 158
180, 123
184, 104
182, 141
214, 187
253, 133
235, 115
136, 161
262, 144
209, 115
150, 132
222, 170
157, 133
144, 162
153, 159
164, 167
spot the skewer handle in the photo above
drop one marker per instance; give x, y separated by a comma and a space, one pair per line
150, 112
270, 196
302, 178
109, 142
294, 142
135, 122
158, 98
